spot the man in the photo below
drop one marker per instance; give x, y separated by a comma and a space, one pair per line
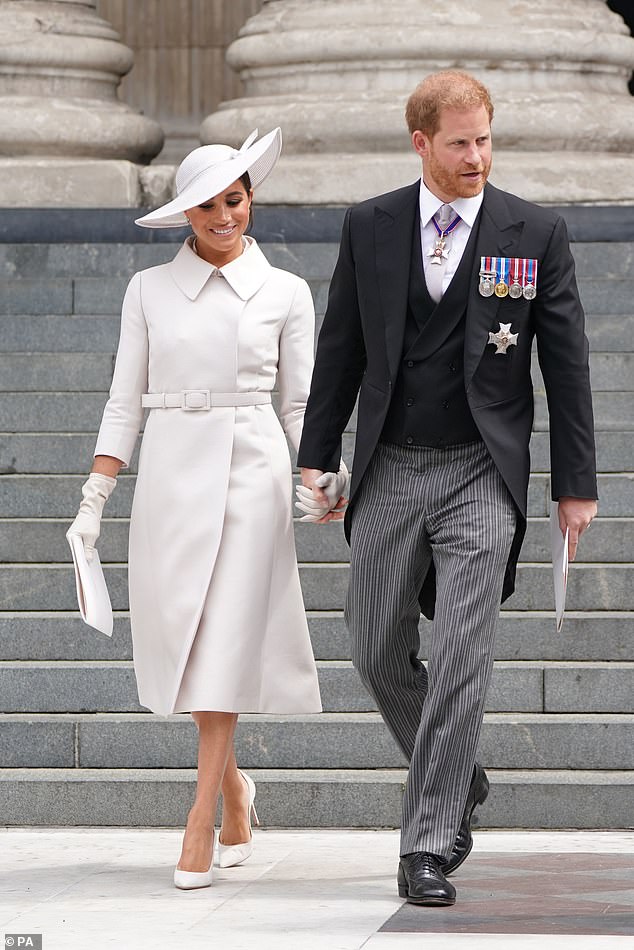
438, 292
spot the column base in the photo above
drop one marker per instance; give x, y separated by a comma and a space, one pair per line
68, 183
82, 183
563, 178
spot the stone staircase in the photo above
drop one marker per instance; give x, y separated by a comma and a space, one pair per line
75, 747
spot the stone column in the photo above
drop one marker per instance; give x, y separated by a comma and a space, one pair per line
65, 138
336, 77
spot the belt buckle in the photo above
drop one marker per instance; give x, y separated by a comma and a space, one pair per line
196, 400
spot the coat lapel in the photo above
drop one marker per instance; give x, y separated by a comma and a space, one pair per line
245, 275
394, 219
499, 235
419, 299
190, 272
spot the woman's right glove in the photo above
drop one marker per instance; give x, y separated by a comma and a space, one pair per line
96, 492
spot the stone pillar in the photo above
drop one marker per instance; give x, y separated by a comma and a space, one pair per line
336, 77
65, 138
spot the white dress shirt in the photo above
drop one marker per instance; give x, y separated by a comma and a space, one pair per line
455, 242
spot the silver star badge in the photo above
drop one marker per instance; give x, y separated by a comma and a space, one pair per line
503, 338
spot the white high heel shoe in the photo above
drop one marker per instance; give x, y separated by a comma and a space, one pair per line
229, 855
188, 880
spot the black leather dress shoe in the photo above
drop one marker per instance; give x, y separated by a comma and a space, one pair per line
478, 791
421, 881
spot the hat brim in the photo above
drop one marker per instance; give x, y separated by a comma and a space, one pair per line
259, 160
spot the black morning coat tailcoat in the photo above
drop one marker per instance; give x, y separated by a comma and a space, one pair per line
361, 347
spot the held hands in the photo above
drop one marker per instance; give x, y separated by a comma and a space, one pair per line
86, 525
575, 514
322, 494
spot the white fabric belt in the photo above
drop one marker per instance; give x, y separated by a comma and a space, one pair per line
194, 400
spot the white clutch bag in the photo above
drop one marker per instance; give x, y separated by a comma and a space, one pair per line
92, 594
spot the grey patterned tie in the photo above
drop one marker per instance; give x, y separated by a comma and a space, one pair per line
436, 265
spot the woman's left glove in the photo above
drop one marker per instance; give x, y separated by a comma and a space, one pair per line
334, 484
87, 524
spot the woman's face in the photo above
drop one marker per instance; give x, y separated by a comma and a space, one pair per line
220, 223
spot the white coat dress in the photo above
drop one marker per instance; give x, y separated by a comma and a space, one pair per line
217, 615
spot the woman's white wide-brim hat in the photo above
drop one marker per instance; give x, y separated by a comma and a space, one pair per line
208, 170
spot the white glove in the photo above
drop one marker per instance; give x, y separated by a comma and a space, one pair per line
96, 492
334, 484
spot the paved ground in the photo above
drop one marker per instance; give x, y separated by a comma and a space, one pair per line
88, 889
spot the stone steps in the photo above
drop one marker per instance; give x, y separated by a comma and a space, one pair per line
590, 586
103, 294
557, 737
516, 686
315, 260
57, 332
43, 540
318, 798
521, 635
61, 453
92, 372
80, 260
81, 411
332, 740
55, 496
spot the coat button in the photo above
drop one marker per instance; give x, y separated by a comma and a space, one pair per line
409, 440
410, 363
445, 405
409, 402
452, 367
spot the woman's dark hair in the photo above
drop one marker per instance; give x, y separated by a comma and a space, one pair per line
246, 181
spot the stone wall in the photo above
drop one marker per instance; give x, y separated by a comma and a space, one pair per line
179, 74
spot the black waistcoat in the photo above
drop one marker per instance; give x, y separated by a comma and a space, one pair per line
429, 404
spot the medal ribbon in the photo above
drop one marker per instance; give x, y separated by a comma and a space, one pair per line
516, 270
451, 227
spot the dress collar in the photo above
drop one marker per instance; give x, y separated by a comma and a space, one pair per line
245, 275
467, 208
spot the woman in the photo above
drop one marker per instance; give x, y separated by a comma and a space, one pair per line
218, 621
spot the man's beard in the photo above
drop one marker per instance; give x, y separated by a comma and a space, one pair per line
452, 182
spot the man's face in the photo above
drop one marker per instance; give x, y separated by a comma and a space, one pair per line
457, 159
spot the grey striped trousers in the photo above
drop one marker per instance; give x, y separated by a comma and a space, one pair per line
418, 503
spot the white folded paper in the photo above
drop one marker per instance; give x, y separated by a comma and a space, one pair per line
559, 549
92, 593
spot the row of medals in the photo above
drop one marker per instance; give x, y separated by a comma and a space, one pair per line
488, 287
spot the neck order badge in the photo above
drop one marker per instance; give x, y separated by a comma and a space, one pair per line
444, 226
